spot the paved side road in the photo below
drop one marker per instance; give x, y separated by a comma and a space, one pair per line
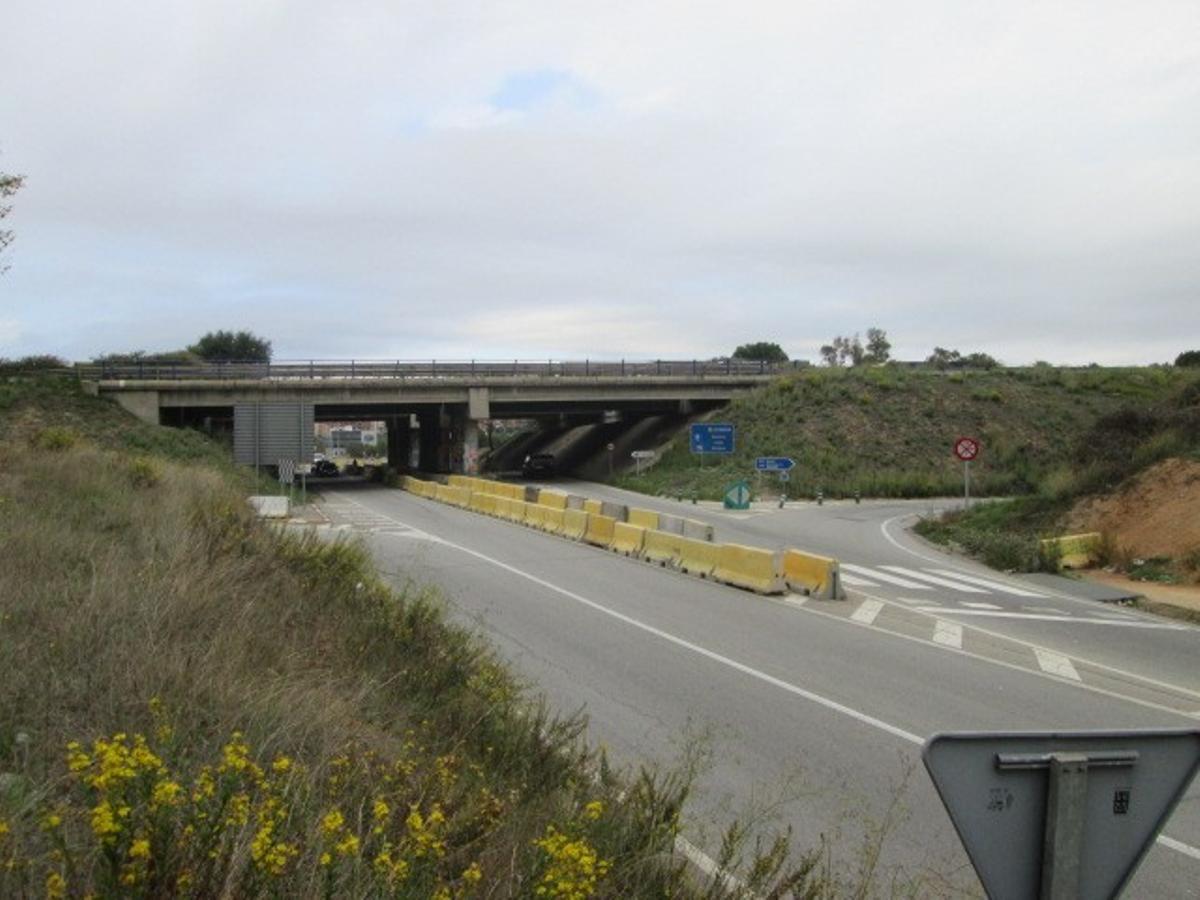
806, 709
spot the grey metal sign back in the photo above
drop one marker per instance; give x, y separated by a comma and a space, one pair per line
264, 433
1071, 814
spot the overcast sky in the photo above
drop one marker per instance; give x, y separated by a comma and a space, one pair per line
579, 179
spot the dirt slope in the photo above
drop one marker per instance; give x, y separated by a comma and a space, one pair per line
1156, 513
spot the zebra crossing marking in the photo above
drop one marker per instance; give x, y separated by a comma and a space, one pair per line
996, 586
882, 576
934, 579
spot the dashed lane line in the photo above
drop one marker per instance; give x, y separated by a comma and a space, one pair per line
948, 634
1056, 664
867, 611
818, 699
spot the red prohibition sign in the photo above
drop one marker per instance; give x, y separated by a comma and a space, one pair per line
966, 448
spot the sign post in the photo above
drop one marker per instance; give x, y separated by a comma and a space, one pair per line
966, 449
780, 464
638, 456
1056, 815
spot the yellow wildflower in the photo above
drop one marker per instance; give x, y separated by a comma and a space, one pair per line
184, 881
282, 765
104, 822
326, 859
593, 810
165, 793
52, 821
56, 886
239, 809
573, 867
77, 760
3, 828
472, 874
347, 846
139, 849
380, 810
332, 822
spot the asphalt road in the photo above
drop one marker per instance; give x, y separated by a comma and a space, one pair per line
806, 713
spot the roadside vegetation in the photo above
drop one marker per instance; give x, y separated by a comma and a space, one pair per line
195, 703
1104, 460
887, 431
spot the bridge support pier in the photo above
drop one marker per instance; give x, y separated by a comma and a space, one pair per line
143, 404
399, 443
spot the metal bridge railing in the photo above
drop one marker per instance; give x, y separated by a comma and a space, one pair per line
377, 369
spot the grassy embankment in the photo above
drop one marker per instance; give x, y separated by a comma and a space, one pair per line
888, 432
1116, 447
194, 703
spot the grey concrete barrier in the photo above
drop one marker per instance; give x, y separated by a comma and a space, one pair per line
670, 524
574, 501
697, 531
618, 511
531, 493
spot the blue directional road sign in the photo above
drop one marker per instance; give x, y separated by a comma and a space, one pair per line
710, 437
774, 463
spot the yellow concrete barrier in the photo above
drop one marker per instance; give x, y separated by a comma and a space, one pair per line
645, 518
553, 499
752, 568
533, 515
575, 522
478, 504
441, 493
817, 576
459, 481
599, 530
697, 557
627, 539
500, 507
661, 547
552, 520
595, 507
1074, 551
516, 511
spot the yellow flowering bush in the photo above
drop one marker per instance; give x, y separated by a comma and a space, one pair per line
573, 868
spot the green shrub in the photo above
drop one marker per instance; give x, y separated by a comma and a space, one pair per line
55, 438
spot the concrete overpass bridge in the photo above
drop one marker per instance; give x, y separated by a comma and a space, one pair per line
446, 400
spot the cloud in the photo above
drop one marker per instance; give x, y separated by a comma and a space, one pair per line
377, 180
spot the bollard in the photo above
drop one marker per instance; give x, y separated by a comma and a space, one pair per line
693, 496
820, 497
858, 496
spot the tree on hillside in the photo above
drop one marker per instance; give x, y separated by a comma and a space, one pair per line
766, 351
228, 346
941, 358
1188, 359
844, 351
879, 348
9, 185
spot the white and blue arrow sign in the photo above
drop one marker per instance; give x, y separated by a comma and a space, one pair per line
710, 437
774, 463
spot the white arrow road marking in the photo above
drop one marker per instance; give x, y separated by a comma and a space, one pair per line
1055, 664
934, 579
987, 583
948, 633
867, 611
883, 576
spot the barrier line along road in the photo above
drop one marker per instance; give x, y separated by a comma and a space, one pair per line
666, 636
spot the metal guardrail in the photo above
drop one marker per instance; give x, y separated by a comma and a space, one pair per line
287, 370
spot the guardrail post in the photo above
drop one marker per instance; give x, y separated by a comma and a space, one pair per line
728, 365
351, 368
587, 368
622, 368
658, 367
311, 370
472, 368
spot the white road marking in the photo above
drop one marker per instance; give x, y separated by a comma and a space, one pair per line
948, 633
867, 611
977, 605
996, 586
855, 582
1061, 617
913, 601
1056, 664
934, 579
883, 576
818, 699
